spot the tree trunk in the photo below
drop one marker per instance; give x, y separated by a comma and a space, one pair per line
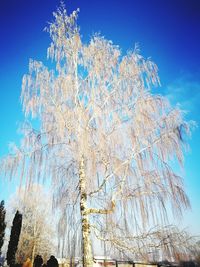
34, 245
86, 243
33, 253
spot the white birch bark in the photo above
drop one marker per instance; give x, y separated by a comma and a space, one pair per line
86, 242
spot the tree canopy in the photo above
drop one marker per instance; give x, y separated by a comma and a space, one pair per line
105, 140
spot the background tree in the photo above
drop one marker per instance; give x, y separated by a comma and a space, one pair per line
106, 141
179, 244
2, 224
195, 252
37, 233
14, 239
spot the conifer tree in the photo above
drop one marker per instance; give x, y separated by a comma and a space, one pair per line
2, 224
14, 238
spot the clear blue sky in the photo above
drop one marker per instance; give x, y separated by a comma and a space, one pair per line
168, 31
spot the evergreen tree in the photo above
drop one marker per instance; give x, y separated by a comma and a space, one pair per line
2, 224
14, 238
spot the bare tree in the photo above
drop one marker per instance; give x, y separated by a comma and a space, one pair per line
196, 252
106, 141
168, 243
37, 233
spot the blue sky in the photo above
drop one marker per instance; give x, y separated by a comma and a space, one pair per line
167, 31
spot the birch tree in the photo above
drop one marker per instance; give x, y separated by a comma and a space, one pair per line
104, 138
